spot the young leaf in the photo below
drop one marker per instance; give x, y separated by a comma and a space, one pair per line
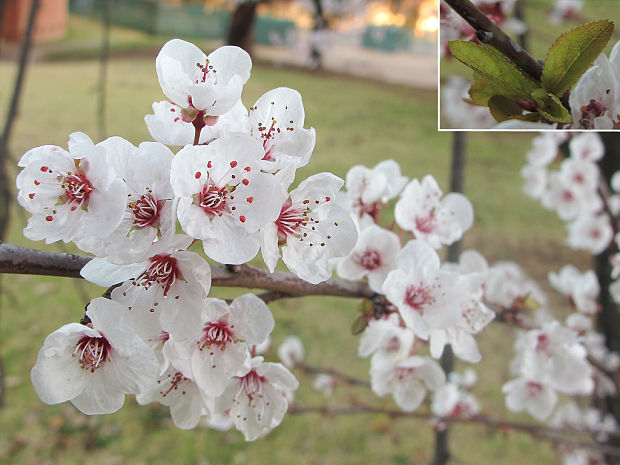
550, 107
502, 108
497, 69
481, 91
573, 53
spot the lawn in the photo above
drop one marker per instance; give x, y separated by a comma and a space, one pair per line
357, 122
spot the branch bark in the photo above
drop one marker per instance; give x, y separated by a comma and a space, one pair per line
489, 33
22, 260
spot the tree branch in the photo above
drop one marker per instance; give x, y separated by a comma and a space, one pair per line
22, 260
489, 33
312, 370
554, 435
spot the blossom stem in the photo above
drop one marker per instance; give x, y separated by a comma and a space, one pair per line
198, 123
489, 33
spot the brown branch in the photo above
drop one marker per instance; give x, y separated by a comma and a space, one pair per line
489, 33
335, 373
22, 260
554, 435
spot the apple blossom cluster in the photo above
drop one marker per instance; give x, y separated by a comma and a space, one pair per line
572, 186
138, 210
161, 336
551, 358
569, 186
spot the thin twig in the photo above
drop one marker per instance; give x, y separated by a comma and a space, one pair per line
351, 380
554, 435
489, 33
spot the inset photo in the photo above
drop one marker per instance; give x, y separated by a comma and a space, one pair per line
529, 65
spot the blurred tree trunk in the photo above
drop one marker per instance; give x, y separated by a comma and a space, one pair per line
320, 23
609, 316
241, 27
441, 455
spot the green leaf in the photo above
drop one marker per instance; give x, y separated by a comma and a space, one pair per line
497, 69
502, 108
573, 53
359, 325
481, 91
550, 107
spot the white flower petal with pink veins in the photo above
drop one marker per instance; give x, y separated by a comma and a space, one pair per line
427, 297
291, 351
451, 401
220, 342
160, 291
314, 232
554, 356
72, 194
167, 126
437, 221
178, 392
224, 197
277, 121
407, 380
373, 257
583, 289
368, 188
199, 83
148, 212
587, 147
545, 149
535, 180
94, 367
385, 339
590, 232
535, 398
567, 197
594, 99
257, 400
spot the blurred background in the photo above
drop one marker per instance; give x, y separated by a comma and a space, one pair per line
362, 115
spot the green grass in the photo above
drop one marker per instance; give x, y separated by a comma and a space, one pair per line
357, 122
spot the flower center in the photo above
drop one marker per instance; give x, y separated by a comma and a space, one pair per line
175, 381
291, 220
370, 260
206, 71
146, 211
92, 352
252, 384
418, 297
533, 389
163, 270
216, 333
426, 224
591, 111
77, 190
213, 200
543, 344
